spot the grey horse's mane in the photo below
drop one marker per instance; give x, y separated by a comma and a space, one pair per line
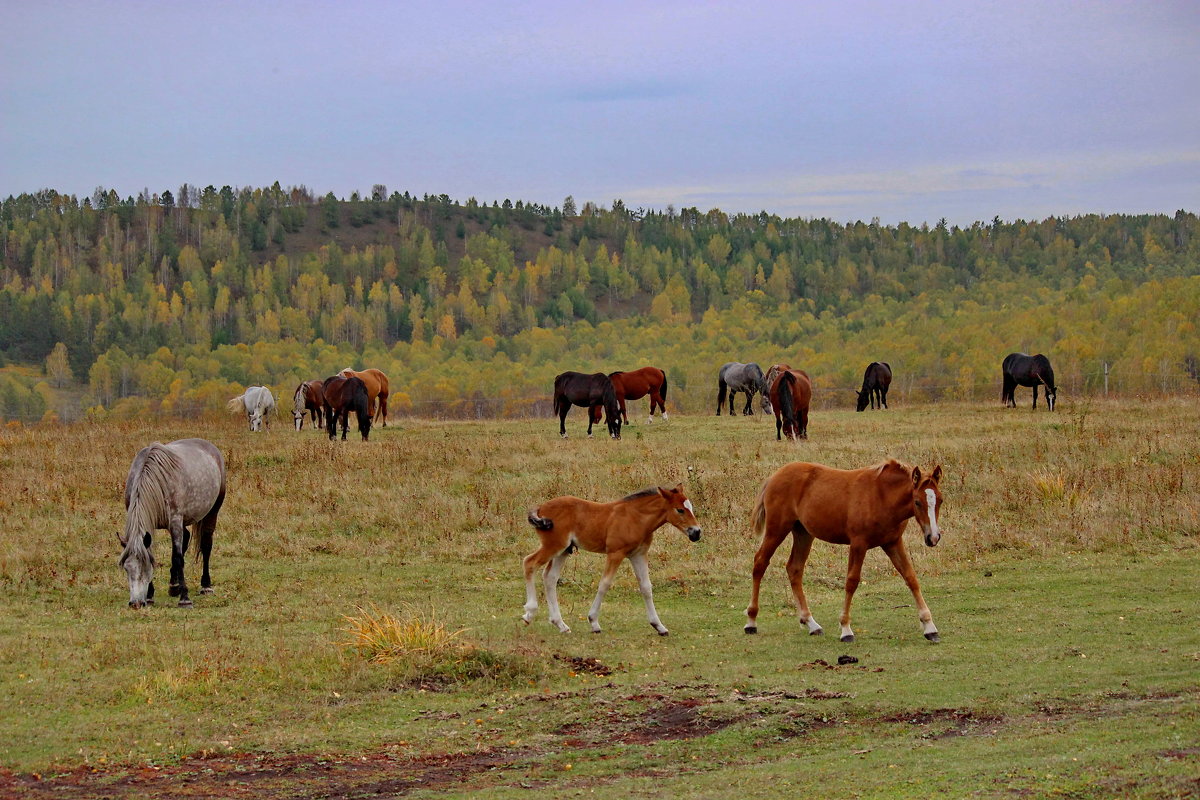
151, 475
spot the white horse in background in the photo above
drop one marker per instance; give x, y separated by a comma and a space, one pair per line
258, 404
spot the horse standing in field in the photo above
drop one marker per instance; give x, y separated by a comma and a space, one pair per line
876, 381
623, 529
788, 393
1025, 370
634, 386
735, 377
862, 508
170, 486
581, 389
377, 389
258, 404
308, 399
341, 395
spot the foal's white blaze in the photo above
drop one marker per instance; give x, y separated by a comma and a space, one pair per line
931, 528
688, 505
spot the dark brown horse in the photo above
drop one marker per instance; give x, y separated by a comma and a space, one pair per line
342, 395
862, 508
635, 385
1024, 370
876, 381
581, 389
788, 394
308, 399
378, 388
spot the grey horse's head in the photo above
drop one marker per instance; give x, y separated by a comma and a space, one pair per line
138, 562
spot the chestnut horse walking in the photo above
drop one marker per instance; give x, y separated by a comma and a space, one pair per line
635, 385
788, 393
377, 388
863, 508
622, 529
308, 399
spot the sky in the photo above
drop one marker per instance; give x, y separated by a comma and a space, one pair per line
908, 112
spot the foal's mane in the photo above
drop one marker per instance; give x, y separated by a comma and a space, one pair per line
150, 480
647, 492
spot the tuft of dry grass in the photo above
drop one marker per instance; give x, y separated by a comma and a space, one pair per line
383, 638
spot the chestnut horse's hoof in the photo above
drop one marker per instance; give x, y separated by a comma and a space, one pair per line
849, 637
933, 637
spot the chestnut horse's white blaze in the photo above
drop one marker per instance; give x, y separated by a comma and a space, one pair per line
621, 530
862, 508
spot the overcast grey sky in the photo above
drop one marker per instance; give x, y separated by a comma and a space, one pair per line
849, 110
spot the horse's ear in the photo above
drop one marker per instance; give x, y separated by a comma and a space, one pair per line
679, 488
937, 474
664, 493
916, 476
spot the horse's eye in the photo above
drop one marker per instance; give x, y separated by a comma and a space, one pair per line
679, 510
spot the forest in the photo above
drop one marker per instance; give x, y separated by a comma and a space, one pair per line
173, 302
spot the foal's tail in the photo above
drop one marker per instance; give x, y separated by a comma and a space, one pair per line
540, 523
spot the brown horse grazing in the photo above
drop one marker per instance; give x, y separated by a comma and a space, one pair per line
377, 387
863, 508
340, 396
789, 393
620, 530
634, 386
308, 399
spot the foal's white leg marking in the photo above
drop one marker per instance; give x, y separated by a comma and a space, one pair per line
551, 585
811, 623
932, 530
531, 603
847, 634
641, 568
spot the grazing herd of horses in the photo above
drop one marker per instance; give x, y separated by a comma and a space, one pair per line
182, 484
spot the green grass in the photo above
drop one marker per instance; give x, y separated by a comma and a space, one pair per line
1064, 589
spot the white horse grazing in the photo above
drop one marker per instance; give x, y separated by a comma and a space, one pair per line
257, 404
170, 487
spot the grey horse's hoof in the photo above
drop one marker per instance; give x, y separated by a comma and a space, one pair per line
933, 637
849, 637
206, 590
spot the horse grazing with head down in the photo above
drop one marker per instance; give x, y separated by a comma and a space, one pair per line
876, 381
581, 389
170, 486
308, 399
258, 404
735, 377
635, 385
788, 393
340, 396
621, 530
862, 508
1025, 370
377, 389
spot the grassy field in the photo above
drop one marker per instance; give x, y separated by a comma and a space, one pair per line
1065, 589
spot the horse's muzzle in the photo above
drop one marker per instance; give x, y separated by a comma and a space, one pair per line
932, 539
693, 534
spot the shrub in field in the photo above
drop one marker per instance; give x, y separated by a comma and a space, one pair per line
425, 651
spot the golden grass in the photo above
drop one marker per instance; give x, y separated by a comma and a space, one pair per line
383, 638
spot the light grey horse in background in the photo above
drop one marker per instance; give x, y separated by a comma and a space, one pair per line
258, 404
170, 487
737, 377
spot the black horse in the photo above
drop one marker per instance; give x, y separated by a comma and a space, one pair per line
340, 396
581, 389
1025, 370
737, 377
876, 381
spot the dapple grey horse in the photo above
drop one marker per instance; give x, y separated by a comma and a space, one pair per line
737, 377
170, 486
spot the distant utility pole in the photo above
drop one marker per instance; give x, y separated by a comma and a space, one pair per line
1106, 379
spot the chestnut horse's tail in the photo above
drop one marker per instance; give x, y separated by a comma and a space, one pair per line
662, 390
787, 401
758, 520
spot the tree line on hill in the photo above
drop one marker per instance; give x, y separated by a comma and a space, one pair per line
177, 300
